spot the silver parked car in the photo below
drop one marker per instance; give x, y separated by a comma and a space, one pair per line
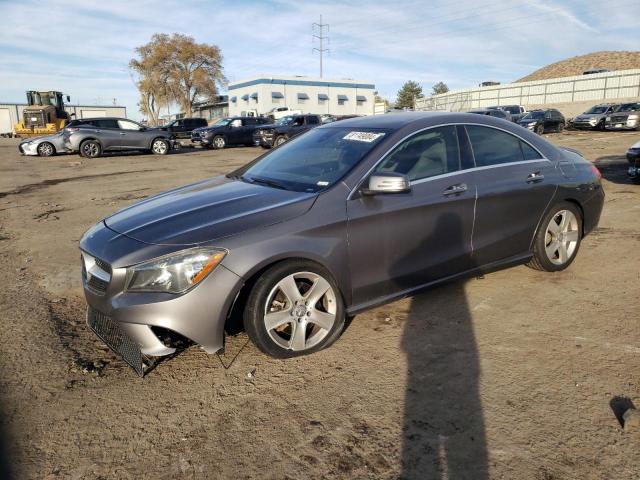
627, 117
594, 118
43, 146
345, 217
97, 135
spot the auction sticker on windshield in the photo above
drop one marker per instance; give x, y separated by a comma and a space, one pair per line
363, 136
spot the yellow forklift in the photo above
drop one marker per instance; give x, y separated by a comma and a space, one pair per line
44, 114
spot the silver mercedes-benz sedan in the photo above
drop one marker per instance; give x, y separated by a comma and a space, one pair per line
345, 217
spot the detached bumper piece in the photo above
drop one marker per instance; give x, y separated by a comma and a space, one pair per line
117, 340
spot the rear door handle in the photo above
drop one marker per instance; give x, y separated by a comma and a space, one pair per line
535, 177
455, 189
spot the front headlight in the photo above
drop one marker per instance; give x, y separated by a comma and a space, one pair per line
593, 121
174, 273
531, 124
632, 117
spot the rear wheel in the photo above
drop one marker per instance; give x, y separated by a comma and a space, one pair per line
219, 142
160, 146
90, 149
558, 238
46, 149
560, 127
295, 308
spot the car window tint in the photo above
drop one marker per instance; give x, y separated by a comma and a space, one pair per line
528, 152
313, 120
106, 123
432, 152
493, 147
127, 125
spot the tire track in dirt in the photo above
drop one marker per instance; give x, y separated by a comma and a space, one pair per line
30, 187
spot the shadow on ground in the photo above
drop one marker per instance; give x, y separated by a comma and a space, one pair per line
443, 431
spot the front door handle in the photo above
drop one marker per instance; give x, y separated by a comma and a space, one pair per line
535, 177
455, 189
122, 133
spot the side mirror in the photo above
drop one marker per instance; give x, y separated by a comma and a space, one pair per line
387, 183
143, 128
68, 99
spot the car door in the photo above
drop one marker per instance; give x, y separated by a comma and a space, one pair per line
548, 122
132, 135
235, 131
297, 127
108, 133
400, 241
515, 184
249, 125
178, 128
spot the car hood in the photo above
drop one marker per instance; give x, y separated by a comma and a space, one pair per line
206, 211
39, 139
635, 145
587, 116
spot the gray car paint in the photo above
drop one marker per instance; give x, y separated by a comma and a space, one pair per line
113, 139
358, 239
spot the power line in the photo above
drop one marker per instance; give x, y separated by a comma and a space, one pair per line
317, 31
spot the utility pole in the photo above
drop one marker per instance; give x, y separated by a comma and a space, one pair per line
318, 31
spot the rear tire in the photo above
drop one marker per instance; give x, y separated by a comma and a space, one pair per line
558, 238
295, 308
90, 149
160, 146
46, 149
560, 127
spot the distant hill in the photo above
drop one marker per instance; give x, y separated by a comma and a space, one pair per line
576, 65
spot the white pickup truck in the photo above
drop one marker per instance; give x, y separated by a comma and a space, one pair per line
279, 112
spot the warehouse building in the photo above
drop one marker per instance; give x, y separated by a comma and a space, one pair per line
310, 95
571, 95
11, 113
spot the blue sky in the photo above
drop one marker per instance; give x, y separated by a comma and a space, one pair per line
83, 48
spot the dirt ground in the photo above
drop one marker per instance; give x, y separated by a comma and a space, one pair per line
518, 375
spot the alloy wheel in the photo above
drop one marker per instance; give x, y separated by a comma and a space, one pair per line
561, 237
218, 142
45, 149
90, 149
159, 147
300, 311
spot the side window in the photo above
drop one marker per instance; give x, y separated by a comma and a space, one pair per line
298, 121
313, 120
236, 123
426, 154
494, 147
528, 152
127, 125
248, 121
107, 123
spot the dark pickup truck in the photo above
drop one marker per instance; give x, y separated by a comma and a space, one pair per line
183, 127
228, 131
276, 134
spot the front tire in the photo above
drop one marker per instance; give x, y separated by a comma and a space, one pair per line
90, 149
558, 238
160, 146
539, 129
219, 142
46, 149
295, 308
280, 140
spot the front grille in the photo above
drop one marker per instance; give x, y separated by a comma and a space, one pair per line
96, 273
116, 339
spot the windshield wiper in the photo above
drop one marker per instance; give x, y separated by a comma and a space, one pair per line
266, 181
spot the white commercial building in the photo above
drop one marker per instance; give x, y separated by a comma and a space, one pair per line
310, 95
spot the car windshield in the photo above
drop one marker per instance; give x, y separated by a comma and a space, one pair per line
284, 120
533, 116
597, 109
313, 161
223, 122
629, 107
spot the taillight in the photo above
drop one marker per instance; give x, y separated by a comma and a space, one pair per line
596, 172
